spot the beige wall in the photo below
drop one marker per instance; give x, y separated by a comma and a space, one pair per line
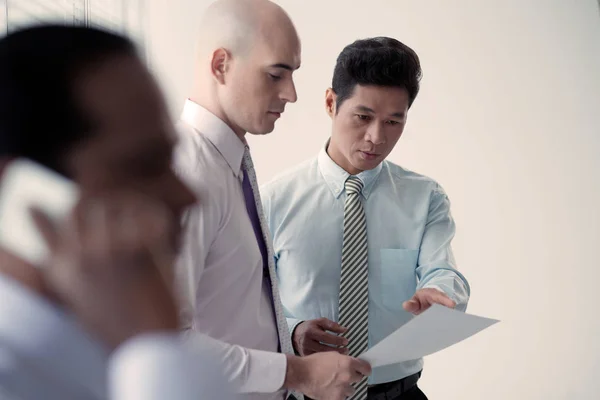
507, 122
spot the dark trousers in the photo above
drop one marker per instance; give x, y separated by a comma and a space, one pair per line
413, 393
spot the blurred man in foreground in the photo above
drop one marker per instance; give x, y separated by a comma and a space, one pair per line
79, 101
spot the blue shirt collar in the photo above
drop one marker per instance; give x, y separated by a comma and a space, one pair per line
335, 176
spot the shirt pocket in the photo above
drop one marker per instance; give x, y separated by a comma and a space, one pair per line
398, 276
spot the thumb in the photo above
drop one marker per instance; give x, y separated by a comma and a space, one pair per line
411, 305
46, 227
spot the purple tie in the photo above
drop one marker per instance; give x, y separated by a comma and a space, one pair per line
253, 214
255, 219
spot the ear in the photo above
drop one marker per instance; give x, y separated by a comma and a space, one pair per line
219, 63
330, 102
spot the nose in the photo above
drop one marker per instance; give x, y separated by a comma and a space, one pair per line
375, 134
289, 92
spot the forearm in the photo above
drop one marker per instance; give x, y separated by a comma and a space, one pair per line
246, 370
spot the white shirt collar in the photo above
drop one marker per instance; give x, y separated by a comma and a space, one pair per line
218, 132
50, 339
335, 176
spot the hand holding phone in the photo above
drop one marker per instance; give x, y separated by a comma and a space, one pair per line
108, 266
105, 258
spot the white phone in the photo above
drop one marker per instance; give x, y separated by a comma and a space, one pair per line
25, 184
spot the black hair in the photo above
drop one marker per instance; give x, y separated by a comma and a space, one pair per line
379, 61
39, 115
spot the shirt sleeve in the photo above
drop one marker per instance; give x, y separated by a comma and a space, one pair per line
198, 229
436, 266
158, 367
246, 370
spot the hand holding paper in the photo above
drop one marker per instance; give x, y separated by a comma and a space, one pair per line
425, 298
436, 329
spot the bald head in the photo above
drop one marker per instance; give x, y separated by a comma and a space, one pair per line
247, 53
236, 25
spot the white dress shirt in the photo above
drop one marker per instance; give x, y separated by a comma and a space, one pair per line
158, 367
45, 354
220, 271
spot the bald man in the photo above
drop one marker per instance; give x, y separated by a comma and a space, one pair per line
247, 53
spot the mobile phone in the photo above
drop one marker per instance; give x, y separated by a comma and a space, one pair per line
25, 184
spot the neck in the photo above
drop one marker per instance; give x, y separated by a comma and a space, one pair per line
209, 100
338, 158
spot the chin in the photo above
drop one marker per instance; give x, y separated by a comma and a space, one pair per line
363, 165
263, 130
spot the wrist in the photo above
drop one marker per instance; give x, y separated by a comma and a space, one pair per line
293, 336
294, 372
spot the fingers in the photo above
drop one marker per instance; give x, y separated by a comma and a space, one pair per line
46, 227
429, 296
127, 222
349, 391
122, 222
362, 367
412, 306
96, 237
328, 338
425, 298
316, 347
444, 300
331, 326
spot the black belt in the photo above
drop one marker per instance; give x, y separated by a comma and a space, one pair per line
391, 390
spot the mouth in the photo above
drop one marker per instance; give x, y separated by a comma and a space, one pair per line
368, 155
275, 113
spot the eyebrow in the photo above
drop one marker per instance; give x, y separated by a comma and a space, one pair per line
284, 66
368, 110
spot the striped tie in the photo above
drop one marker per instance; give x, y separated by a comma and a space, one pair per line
354, 284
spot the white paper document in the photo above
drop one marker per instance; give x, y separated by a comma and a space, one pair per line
436, 329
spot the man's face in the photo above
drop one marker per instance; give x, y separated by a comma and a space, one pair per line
366, 126
132, 146
260, 84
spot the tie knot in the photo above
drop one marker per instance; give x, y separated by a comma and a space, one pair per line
353, 185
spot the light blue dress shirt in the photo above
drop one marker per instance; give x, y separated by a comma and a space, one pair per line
409, 228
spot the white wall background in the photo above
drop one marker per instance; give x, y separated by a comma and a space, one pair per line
123, 16
507, 122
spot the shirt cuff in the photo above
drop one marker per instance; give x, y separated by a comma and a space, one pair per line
292, 325
460, 306
266, 373
437, 288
